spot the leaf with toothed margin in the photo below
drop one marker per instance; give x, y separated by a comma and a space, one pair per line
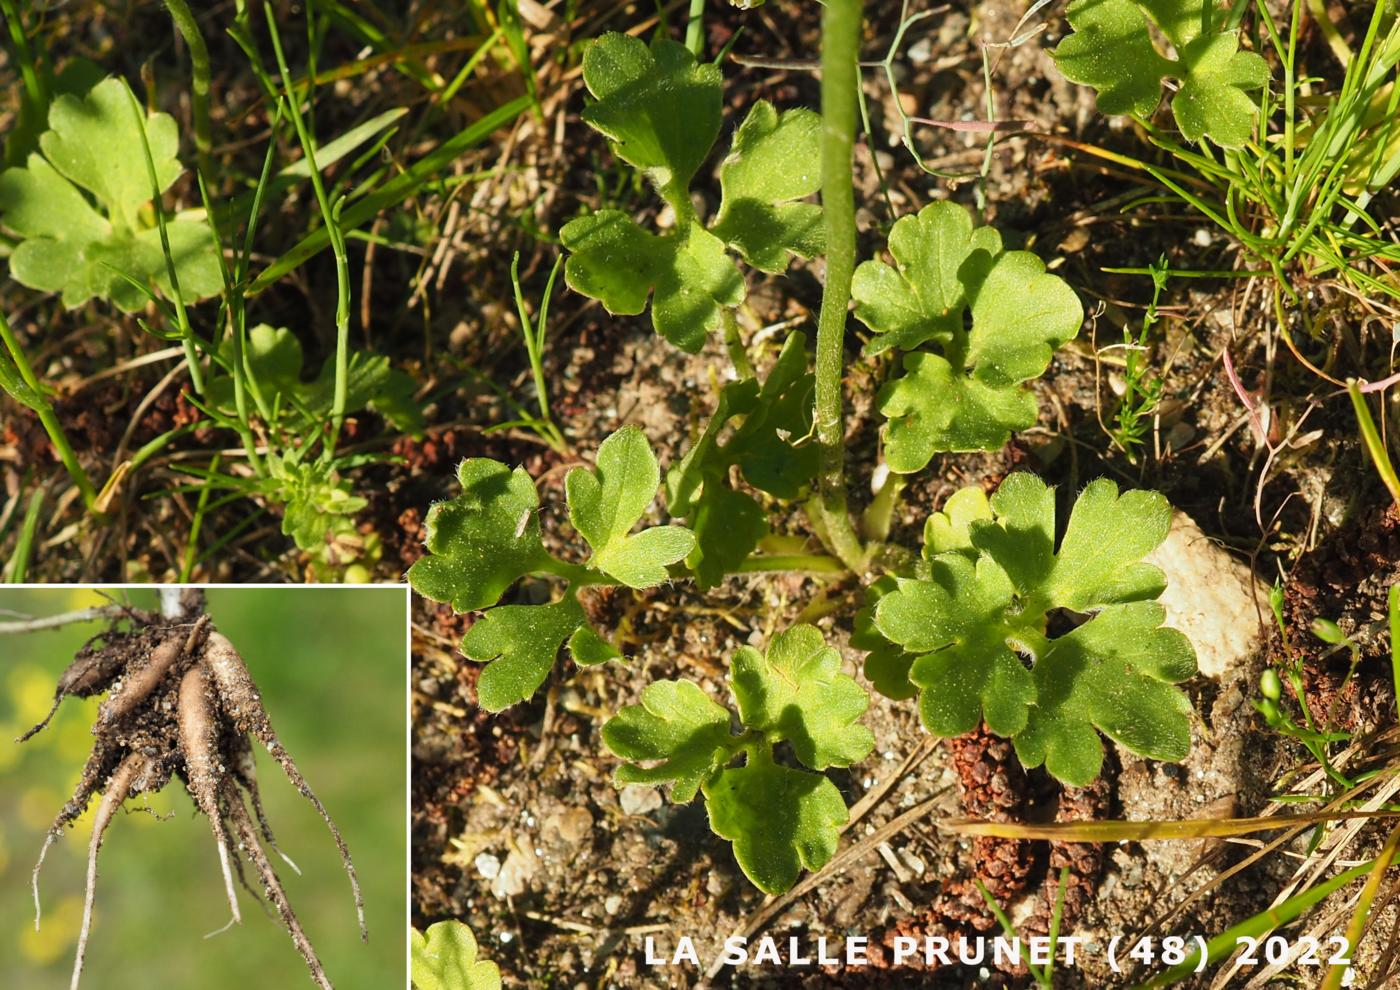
774, 162
796, 691
606, 503
1114, 674
686, 272
81, 248
676, 725
659, 108
780, 820
992, 317
483, 540
978, 621
445, 958
518, 644
1113, 51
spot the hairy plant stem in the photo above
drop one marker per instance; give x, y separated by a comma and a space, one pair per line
199, 73
40, 404
841, 21
330, 214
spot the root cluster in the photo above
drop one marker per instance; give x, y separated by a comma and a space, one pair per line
180, 704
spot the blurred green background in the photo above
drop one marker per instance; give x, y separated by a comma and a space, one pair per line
332, 667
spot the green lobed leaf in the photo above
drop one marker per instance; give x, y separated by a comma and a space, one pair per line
446, 959
886, 664
614, 260
660, 109
780, 820
993, 317
1115, 674
769, 446
961, 623
68, 246
951, 528
483, 540
933, 408
774, 161
728, 526
678, 725
922, 298
796, 691
1112, 50
981, 613
604, 505
589, 649
518, 644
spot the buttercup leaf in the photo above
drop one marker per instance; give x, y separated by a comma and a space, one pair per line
482, 541
981, 612
606, 503
768, 446
446, 959
775, 161
676, 724
612, 259
660, 109
922, 299
1112, 50
994, 317
1115, 674
886, 664
780, 820
962, 622
73, 247
796, 691
589, 649
518, 644
951, 528
728, 526
933, 408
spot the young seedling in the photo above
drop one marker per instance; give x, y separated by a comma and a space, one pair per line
181, 703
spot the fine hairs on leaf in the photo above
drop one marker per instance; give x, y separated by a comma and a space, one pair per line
1112, 50
975, 322
445, 957
485, 540
992, 580
660, 110
78, 205
781, 819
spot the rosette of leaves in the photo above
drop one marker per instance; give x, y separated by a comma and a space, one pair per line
781, 819
487, 539
975, 322
660, 110
80, 206
1112, 49
274, 362
977, 625
767, 446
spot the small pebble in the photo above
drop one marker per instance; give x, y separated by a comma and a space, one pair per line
636, 800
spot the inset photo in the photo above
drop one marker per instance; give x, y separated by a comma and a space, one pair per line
203, 788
